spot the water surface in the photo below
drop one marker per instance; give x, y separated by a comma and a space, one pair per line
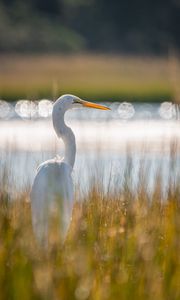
105, 141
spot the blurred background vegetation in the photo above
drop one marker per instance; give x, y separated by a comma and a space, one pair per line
67, 27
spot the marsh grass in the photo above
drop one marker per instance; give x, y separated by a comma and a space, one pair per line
98, 77
122, 243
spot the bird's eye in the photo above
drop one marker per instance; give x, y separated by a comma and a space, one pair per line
75, 101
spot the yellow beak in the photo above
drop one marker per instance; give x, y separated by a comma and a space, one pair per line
93, 105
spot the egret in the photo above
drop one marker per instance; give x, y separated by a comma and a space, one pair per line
52, 189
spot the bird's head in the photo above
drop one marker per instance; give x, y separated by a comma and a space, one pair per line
70, 101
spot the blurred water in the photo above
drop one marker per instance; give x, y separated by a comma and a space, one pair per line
105, 140
25, 109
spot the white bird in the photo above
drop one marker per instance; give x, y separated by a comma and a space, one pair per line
52, 189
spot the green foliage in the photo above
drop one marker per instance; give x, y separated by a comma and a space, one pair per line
22, 30
69, 25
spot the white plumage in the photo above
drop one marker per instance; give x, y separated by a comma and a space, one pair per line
52, 189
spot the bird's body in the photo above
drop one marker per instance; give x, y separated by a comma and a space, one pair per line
52, 189
52, 192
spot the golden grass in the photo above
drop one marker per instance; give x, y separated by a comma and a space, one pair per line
123, 244
101, 76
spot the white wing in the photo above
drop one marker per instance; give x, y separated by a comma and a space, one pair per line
52, 191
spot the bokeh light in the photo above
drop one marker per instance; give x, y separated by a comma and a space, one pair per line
126, 110
45, 108
5, 110
26, 109
167, 110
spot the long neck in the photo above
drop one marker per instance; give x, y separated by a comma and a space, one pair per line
67, 135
